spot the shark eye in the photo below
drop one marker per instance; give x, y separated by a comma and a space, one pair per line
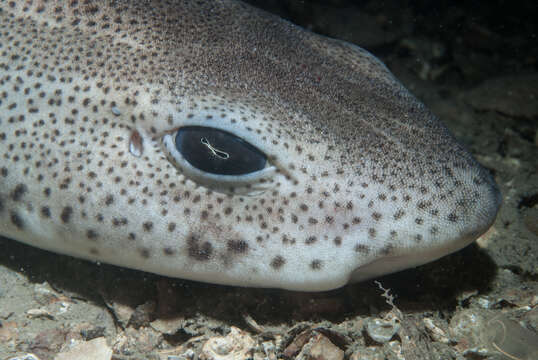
219, 160
218, 152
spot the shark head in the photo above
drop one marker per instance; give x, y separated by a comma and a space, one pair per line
215, 142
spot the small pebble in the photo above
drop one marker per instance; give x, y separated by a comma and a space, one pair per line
435, 331
96, 349
25, 357
320, 348
381, 330
237, 345
39, 313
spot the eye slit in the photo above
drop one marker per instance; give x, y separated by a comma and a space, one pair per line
221, 154
218, 152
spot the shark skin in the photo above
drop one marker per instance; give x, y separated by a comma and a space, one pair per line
360, 178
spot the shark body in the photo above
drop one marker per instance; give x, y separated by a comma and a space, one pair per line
98, 101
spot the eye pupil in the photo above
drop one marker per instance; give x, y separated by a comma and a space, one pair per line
218, 152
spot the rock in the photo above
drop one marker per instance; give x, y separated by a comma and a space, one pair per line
121, 311
25, 357
8, 331
237, 345
370, 353
168, 326
95, 349
144, 340
515, 96
320, 348
92, 332
183, 352
435, 331
395, 348
297, 344
39, 313
48, 342
511, 339
479, 337
44, 294
466, 327
187, 355
382, 330
141, 316
269, 350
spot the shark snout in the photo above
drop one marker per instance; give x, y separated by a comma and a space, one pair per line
484, 199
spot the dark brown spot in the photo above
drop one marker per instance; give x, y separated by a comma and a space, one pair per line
310, 240
398, 214
197, 251
16, 220
91, 234
237, 246
387, 250
119, 221
316, 264
45, 212
18, 192
277, 262
361, 248
337, 241
147, 226
168, 251
66, 214
144, 252
109, 200
423, 204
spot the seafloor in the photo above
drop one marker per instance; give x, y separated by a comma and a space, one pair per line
475, 64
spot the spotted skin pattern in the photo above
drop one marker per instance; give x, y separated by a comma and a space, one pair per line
367, 181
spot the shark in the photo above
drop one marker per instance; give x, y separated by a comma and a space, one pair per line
213, 141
